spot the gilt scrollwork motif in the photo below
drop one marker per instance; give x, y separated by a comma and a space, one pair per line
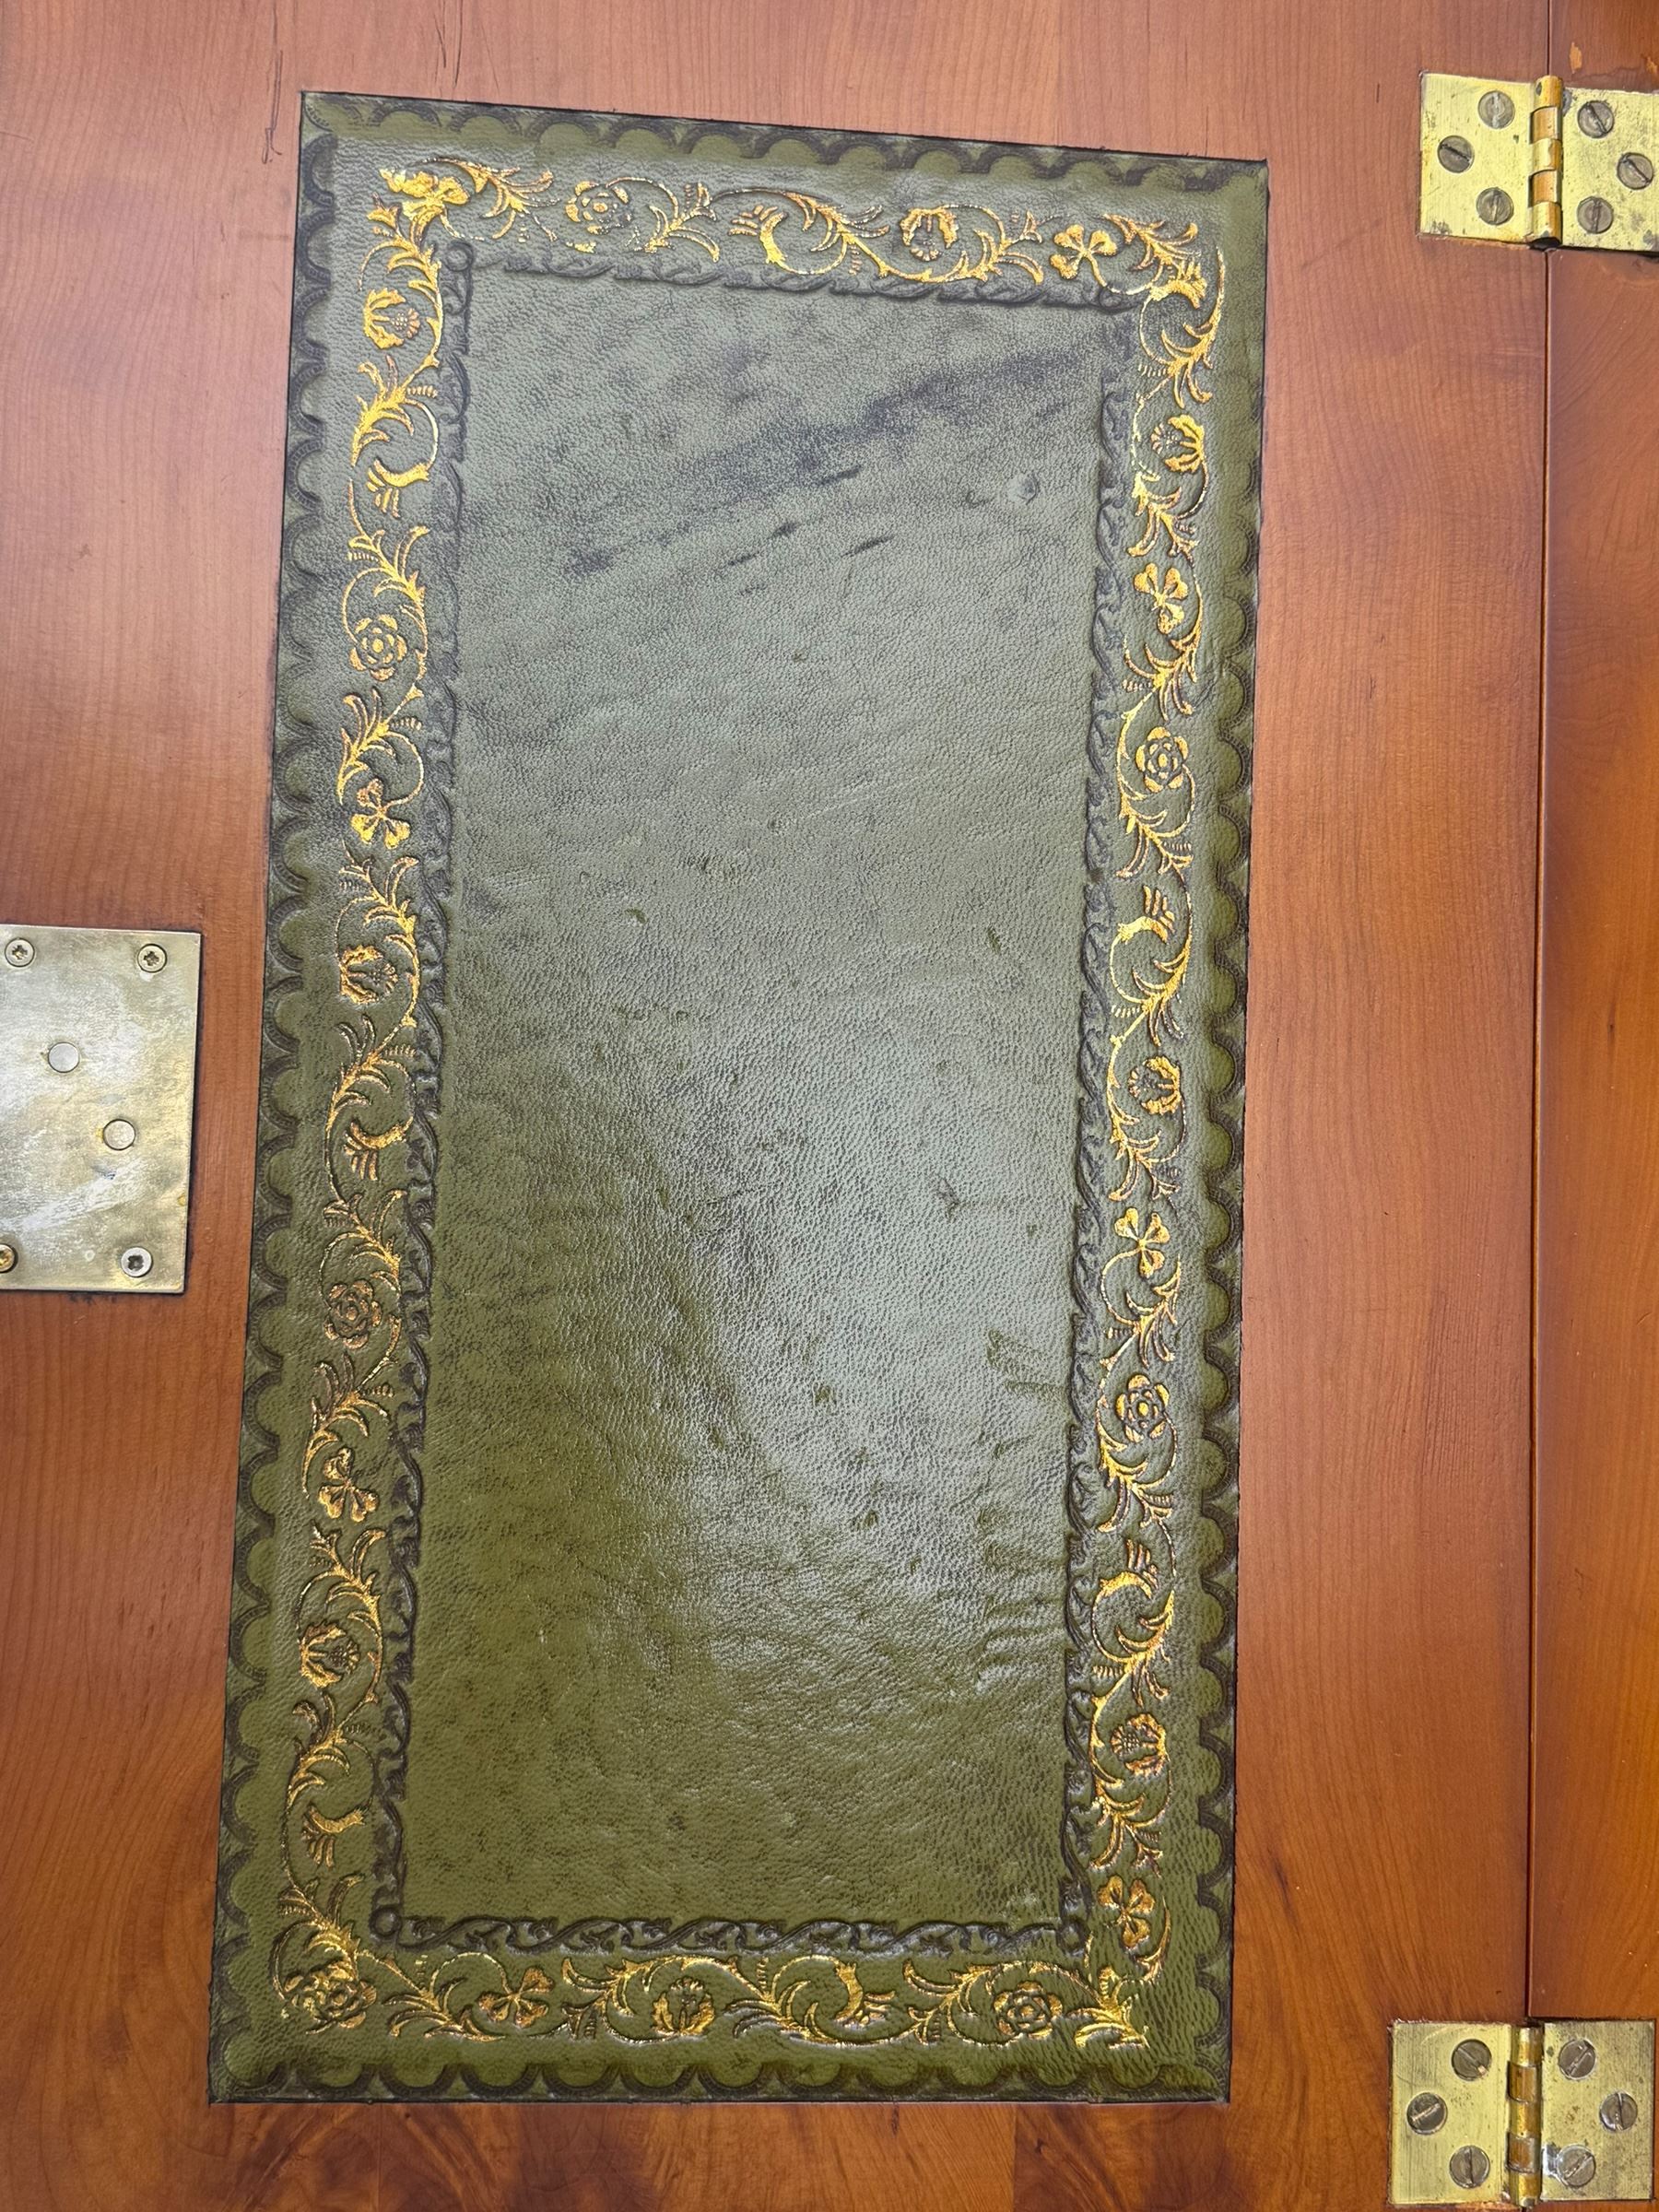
331, 1973
1137, 1424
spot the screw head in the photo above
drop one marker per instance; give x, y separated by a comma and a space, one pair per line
1635, 170
1595, 215
1472, 2060
1497, 109
19, 952
1619, 2111
1454, 154
136, 1262
1596, 118
120, 1135
1469, 2167
63, 1056
152, 958
1494, 207
1576, 2058
1575, 2165
1425, 2113
8, 1258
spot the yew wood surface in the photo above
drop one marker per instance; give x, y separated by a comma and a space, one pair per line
1382, 1721
1596, 1899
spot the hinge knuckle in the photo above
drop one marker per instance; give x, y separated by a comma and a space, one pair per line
1524, 2153
1543, 181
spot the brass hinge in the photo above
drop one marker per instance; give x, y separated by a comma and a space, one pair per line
1541, 164
1554, 2113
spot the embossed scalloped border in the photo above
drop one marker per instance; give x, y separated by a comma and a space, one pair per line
1223, 1104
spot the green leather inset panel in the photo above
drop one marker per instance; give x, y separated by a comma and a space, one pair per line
759, 1127
734, 1587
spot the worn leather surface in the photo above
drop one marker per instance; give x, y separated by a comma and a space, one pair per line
739, 1518
759, 1116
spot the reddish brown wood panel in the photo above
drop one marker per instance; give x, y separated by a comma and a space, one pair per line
1381, 1735
1596, 1898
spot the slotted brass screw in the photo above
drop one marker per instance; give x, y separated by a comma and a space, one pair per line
1469, 2166
1425, 2113
1575, 2166
8, 1258
1471, 2059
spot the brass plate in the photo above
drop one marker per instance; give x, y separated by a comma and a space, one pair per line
1607, 2111
1476, 2117
1489, 120
1603, 171
97, 1033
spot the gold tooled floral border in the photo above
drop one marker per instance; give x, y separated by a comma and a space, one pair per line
331, 1974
